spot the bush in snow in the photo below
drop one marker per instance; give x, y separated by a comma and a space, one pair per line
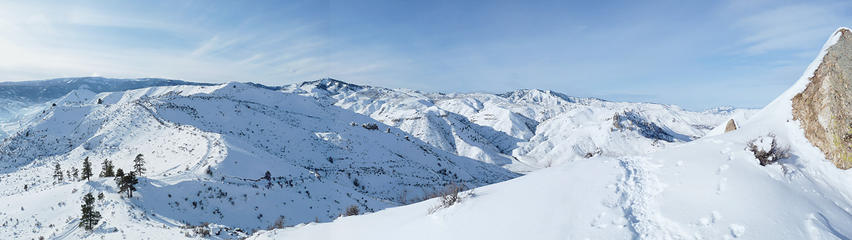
452, 194
351, 211
767, 151
279, 223
370, 126
202, 230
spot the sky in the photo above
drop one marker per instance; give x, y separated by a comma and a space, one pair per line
695, 54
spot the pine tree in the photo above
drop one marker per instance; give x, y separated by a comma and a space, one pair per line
139, 165
90, 217
267, 176
57, 174
75, 173
119, 176
87, 169
127, 184
106, 170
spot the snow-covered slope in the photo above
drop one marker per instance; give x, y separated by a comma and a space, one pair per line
207, 149
20, 100
521, 130
710, 188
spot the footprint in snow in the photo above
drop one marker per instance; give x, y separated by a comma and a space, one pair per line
722, 169
723, 182
737, 230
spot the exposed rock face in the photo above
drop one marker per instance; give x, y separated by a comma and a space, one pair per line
629, 120
731, 126
824, 108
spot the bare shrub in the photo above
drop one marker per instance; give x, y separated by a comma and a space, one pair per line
202, 230
452, 194
370, 126
279, 223
352, 211
767, 151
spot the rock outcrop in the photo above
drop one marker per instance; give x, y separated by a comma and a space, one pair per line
824, 108
731, 126
632, 121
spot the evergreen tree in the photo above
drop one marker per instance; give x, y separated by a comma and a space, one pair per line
267, 176
57, 174
139, 165
119, 176
127, 184
106, 170
90, 217
87, 169
75, 173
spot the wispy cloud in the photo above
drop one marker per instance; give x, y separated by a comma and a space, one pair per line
62, 39
692, 54
790, 27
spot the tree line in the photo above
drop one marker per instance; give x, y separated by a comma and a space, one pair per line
125, 181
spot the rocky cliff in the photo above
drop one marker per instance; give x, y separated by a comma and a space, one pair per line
824, 108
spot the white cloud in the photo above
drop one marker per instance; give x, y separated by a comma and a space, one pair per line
70, 39
789, 27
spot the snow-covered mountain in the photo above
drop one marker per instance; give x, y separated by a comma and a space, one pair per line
207, 150
521, 130
20, 100
764, 180
327, 145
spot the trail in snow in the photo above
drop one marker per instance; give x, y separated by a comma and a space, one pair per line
637, 190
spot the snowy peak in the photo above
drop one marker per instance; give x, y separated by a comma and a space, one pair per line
537, 96
45, 90
330, 85
20, 100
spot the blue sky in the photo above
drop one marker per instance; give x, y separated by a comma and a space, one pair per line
696, 54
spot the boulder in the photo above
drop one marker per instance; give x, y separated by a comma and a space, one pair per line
731, 126
824, 108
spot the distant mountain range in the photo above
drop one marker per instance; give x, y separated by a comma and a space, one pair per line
328, 145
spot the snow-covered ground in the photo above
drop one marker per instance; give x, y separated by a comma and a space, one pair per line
710, 188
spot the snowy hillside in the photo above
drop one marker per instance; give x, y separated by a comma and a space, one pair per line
715, 187
521, 130
207, 149
20, 100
